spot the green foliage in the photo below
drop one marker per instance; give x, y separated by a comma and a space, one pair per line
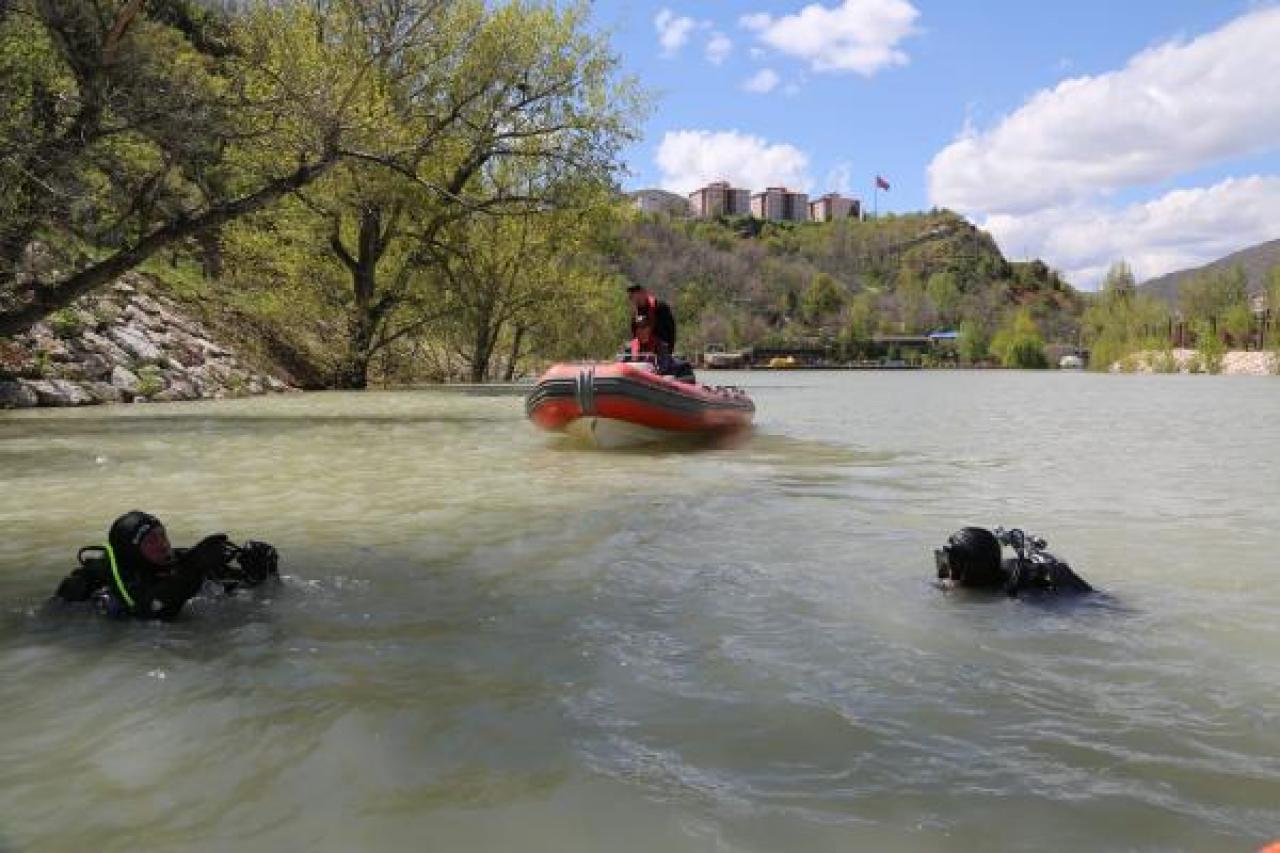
1018, 343
150, 381
974, 342
1120, 321
1210, 295
944, 293
66, 323
1210, 350
821, 299
1237, 321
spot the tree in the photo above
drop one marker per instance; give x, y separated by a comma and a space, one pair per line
1120, 320
133, 125
822, 298
1273, 303
944, 292
1209, 295
1119, 281
974, 342
515, 277
521, 89
1018, 343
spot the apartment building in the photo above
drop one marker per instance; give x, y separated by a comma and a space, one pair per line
834, 206
780, 204
719, 199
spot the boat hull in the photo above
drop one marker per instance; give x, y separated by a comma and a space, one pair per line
620, 404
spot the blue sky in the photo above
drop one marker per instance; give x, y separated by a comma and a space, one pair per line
1082, 133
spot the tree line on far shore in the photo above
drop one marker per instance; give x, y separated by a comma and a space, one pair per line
428, 189
1214, 312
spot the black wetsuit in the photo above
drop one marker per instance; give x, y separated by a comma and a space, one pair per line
153, 593
136, 588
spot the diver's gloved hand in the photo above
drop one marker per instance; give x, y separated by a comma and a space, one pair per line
259, 561
210, 554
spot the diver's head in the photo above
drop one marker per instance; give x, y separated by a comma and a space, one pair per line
139, 539
971, 558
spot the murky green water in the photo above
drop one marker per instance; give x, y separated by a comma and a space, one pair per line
489, 641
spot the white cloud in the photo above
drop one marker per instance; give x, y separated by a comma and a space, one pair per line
1180, 229
763, 81
673, 31
1171, 110
840, 178
1044, 176
861, 36
689, 159
718, 48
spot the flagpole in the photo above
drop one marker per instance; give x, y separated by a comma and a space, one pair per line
875, 199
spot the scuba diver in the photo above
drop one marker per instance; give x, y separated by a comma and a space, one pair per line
653, 332
972, 559
139, 574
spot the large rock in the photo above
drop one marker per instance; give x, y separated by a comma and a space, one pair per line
105, 392
105, 347
179, 389
135, 342
17, 395
124, 379
59, 392
96, 367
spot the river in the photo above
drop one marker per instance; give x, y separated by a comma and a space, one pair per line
486, 639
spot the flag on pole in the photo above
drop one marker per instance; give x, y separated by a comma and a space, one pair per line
881, 183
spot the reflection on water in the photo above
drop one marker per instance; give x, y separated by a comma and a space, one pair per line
497, 641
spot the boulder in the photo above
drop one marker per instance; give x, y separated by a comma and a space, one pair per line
135, 342
124, 379
96, 367
17, 395
105, 347
105, 392
59, 392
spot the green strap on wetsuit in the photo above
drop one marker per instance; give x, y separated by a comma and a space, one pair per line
115, 574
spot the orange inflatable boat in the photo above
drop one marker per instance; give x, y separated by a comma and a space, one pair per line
623, 403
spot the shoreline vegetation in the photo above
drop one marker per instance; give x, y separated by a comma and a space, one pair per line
431, 194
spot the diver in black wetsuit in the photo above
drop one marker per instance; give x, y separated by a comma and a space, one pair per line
139, 574
972, 559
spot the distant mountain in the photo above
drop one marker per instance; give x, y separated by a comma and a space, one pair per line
1256, 260
660, 201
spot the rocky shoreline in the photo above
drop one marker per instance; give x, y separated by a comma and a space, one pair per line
1234, 363
127, 344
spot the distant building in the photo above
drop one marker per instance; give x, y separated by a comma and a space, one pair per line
834, 206
719, 199
660, 201
779, 204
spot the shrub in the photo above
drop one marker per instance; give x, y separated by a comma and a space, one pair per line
1211, 351
150, 381
66, 323
1164, 361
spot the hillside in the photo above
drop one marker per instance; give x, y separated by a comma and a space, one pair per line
740, 281
1256, 261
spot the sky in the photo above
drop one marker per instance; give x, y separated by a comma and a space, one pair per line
1081, 132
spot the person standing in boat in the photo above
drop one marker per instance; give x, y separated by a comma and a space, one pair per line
653, 330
